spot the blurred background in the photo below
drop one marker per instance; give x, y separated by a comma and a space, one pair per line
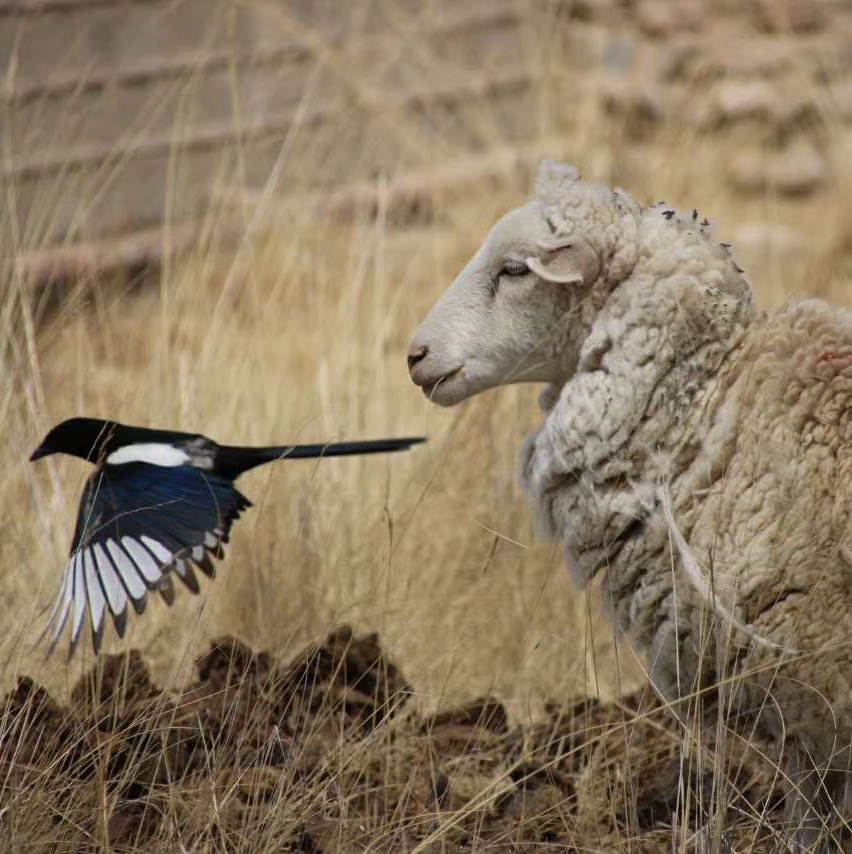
229, 217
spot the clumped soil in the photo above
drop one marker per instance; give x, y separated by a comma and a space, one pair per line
327, 752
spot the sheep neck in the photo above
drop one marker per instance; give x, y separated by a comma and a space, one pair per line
634, 416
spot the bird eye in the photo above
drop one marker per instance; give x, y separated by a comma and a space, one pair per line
513, 267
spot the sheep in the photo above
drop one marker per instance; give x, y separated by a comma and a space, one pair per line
695, 454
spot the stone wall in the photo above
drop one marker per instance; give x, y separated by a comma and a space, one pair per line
121, 115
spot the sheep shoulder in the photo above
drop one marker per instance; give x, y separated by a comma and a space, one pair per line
635, 411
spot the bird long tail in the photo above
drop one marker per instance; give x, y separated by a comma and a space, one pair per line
235, 460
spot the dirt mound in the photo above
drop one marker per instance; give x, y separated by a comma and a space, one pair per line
315, 755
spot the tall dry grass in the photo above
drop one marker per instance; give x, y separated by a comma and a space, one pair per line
283, 323
305, 341
286, 324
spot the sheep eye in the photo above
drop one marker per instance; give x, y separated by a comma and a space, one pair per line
514, 268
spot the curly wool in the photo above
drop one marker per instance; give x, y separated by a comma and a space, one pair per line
744, 424
609, 220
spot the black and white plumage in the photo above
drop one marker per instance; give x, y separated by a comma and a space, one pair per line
158, 502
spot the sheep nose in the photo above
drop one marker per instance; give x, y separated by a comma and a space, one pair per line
415, 355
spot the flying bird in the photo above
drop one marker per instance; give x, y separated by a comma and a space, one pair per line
158, 502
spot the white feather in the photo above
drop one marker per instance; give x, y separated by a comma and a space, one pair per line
79, 598
180, 567
97, 602
158, 549
149, 569
63, 602
134, 584
210, 541
116, 595
198, 553
154, 453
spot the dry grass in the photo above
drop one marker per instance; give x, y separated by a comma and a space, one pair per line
283, 323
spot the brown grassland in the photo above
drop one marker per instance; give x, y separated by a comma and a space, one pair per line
285, 321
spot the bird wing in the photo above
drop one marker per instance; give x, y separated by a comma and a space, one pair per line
136, 523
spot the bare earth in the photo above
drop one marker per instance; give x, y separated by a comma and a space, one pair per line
322, 753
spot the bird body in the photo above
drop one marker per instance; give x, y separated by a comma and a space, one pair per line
159, 502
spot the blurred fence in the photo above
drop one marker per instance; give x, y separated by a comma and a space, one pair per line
122, 120
120, 114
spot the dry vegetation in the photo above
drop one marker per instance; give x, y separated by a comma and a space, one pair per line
287, 319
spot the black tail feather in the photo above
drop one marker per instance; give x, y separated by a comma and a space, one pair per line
233, 460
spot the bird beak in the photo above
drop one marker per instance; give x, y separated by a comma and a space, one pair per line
39, 452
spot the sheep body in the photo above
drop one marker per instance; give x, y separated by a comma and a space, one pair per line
755, 451
696, 454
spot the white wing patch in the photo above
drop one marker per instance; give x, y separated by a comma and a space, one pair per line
79, 599
97, 602
142, 558
115, 592
157, 549
154, 453
127, 571
59, 616
101, 577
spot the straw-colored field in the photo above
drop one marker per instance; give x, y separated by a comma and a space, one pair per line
285, 323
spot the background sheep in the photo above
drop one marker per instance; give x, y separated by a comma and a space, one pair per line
695, 454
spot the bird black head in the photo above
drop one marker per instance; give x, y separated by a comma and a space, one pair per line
88, 438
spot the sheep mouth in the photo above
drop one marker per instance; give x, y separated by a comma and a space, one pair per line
440, 391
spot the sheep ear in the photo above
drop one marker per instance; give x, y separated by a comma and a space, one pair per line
555, 273
567, 262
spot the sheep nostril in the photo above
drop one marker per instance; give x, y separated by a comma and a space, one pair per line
415, 355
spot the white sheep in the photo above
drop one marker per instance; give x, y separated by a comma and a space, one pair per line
694, 453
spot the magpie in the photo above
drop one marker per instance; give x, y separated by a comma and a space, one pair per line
158, 502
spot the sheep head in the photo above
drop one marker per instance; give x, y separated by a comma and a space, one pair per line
522, 307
